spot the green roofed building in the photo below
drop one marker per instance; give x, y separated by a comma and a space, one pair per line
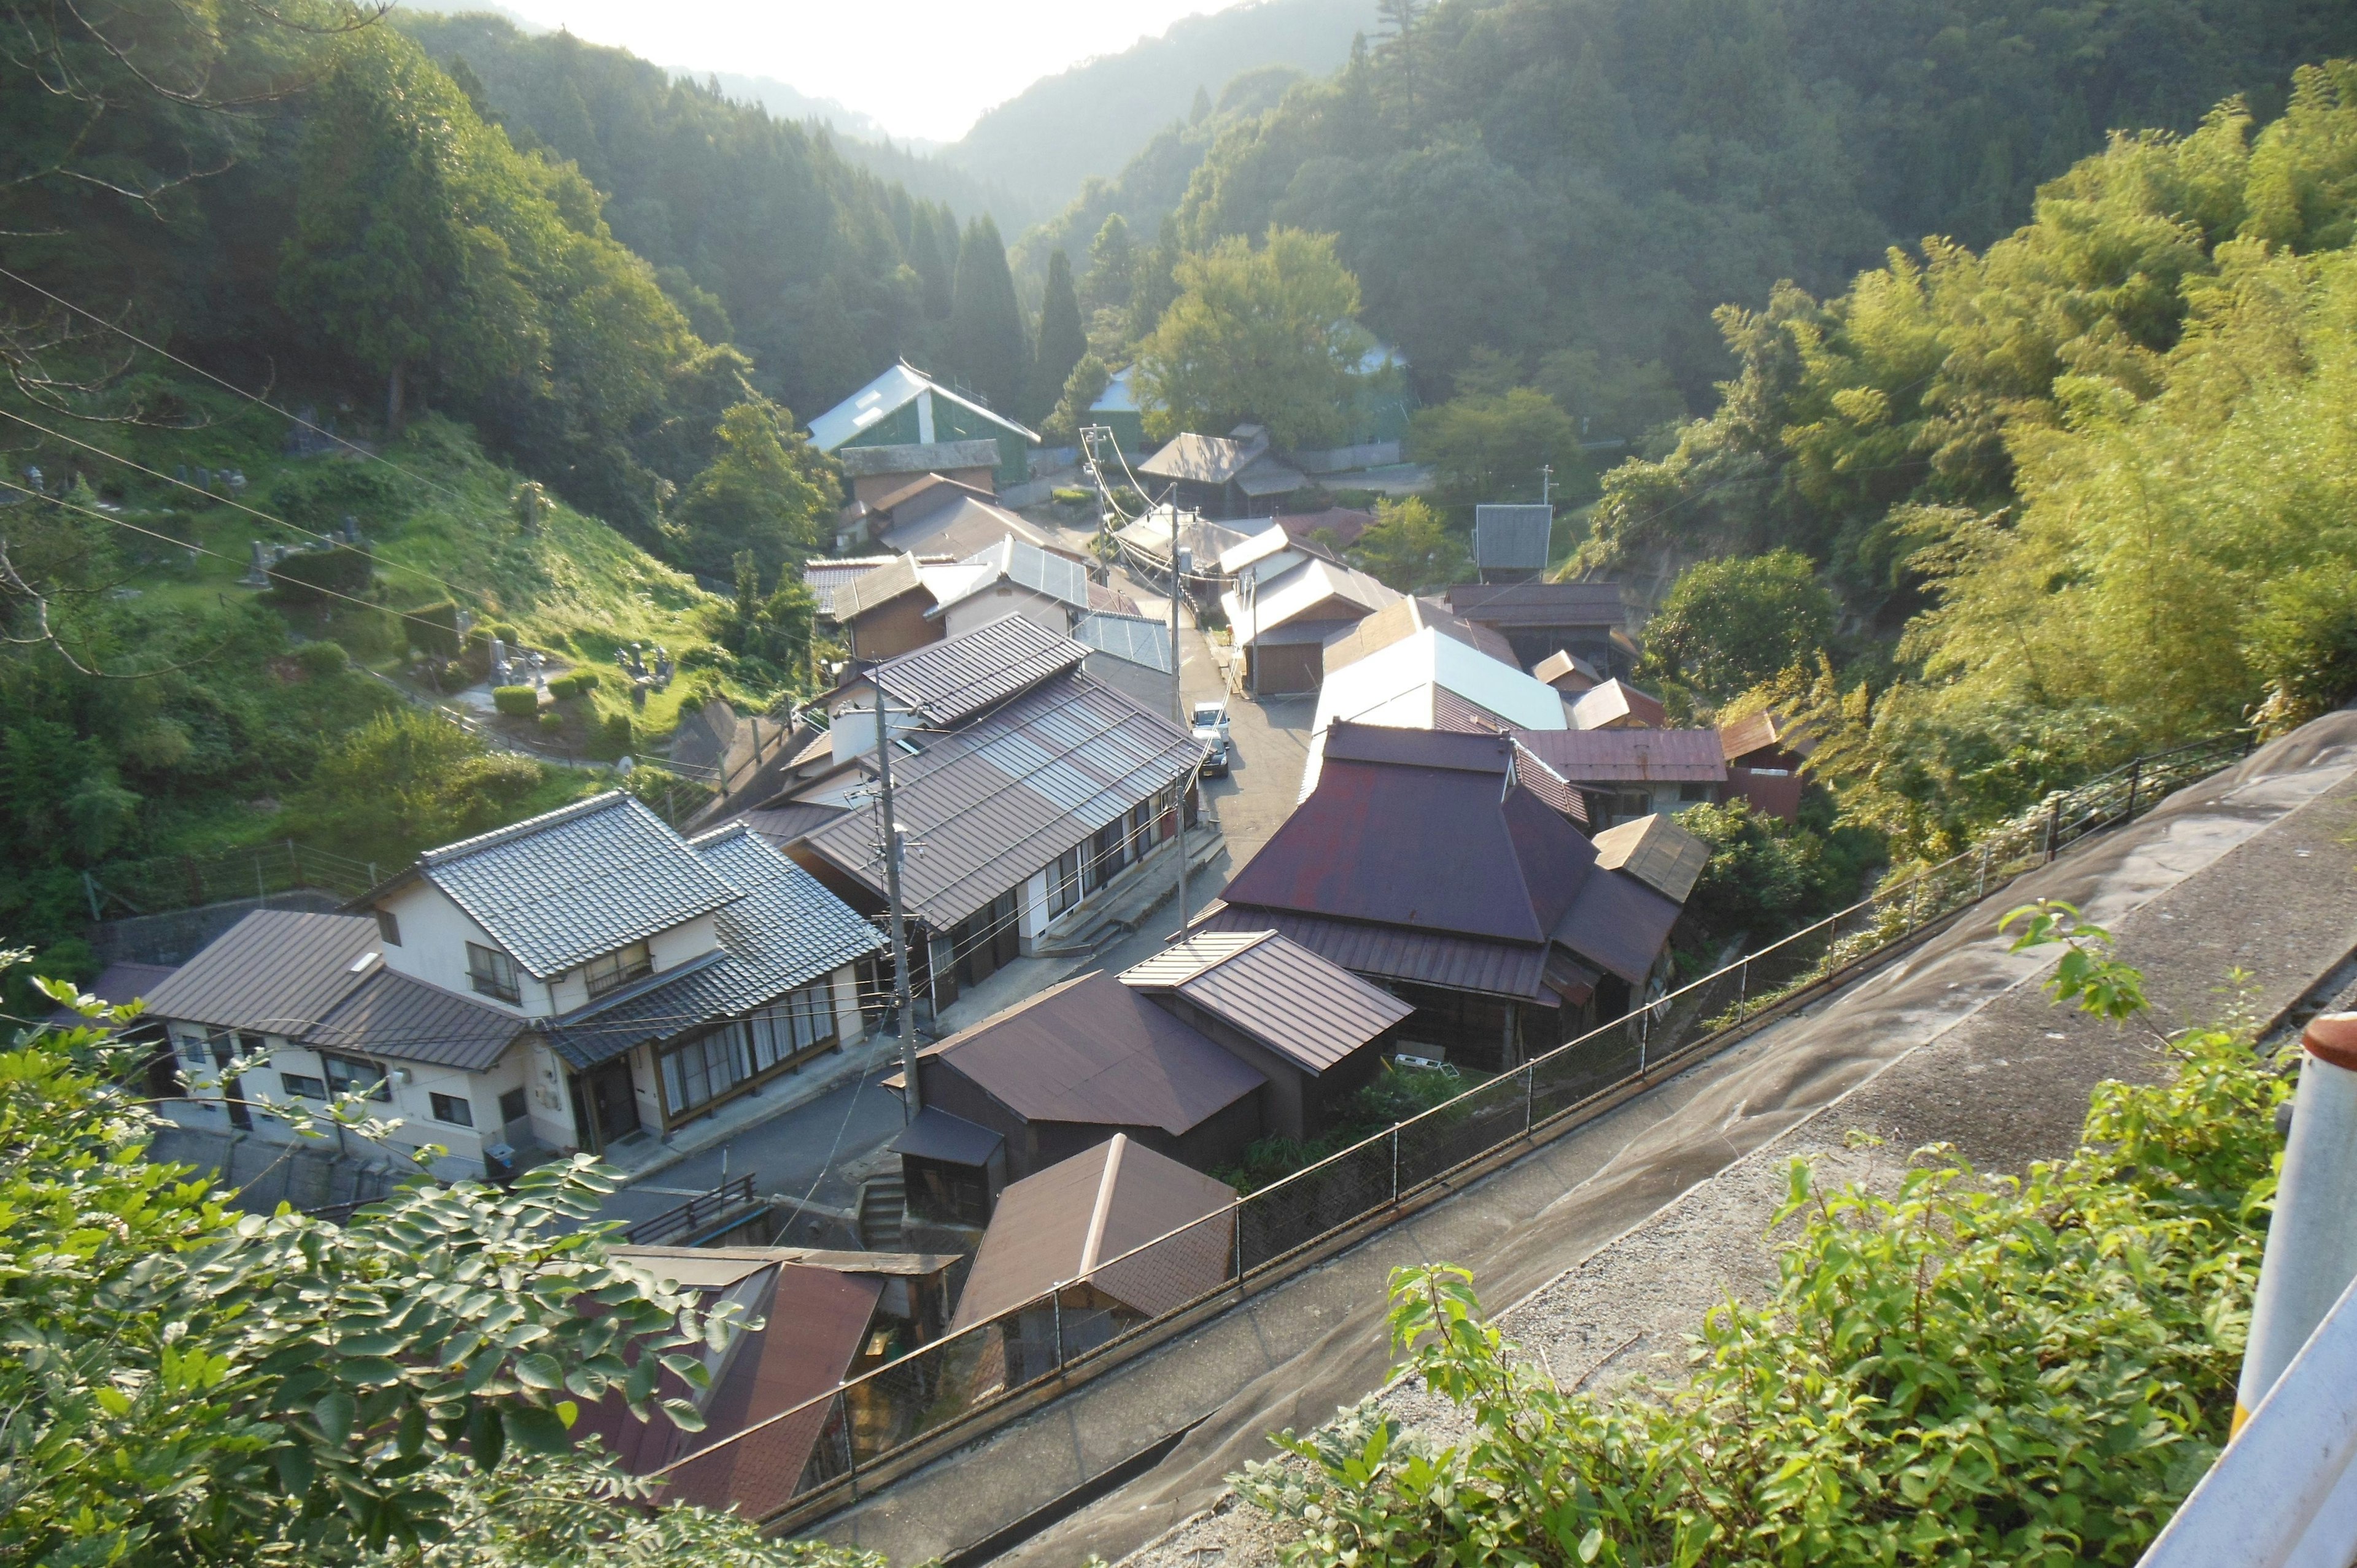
906, 408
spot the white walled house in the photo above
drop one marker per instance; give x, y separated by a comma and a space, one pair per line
564, 983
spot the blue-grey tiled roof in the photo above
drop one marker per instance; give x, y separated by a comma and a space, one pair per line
563, 887
785, 931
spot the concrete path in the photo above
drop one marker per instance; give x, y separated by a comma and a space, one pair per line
1290, 1357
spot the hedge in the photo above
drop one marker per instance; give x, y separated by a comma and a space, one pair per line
516, 702
323, 577
434, 629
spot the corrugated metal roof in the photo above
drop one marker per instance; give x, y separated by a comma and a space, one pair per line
1107, 600
935, 1134
1619, 756
1536, 605
785, 931
879, 398
949, 682
1133, 638
784, 821
1265, 475
1203, 459
394, 1014
1076, 1220
563, 887
1297, 591
1397, 622
1151, 534
1617, 703
1305, 1008
864, 592
1095, 1052
1182, 960
1618, 922
1393, 953
1026, 566
962, 529
1549, 785
275, 971
994, 803
1656, 851
1511, 538
823, 577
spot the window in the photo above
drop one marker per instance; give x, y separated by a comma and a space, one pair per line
192, 1048
492, 972
706, 1068
346, 1074
299, 1086
511, 1106
1064, 882
1690, 792
617, 970
453, 1109
1141, 829
794, 1026
388, 928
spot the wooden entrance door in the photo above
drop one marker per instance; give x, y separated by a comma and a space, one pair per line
603, 1106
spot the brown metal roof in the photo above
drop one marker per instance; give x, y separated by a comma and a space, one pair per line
951, 681
1393, 953
964, 526
1656, 851
1203, 459
1532, 773
1081, 1218
1617, 702
275, 971
116, 985
880, 586
1305, 1008
1095, 1052
1397, 622
1536, 605
1620, 923
1345, 524
784, 821
1620, 756
934, 1134
392, 1015
995, 801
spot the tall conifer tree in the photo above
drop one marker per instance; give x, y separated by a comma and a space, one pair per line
987, 350
1063, 339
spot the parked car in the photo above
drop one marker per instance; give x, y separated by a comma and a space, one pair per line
1209, 722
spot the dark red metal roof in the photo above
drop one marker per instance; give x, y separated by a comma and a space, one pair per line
1619, 923
1614, 756
1393, 953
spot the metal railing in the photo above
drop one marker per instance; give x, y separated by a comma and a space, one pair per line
813, 1456
705, 1214
186, 882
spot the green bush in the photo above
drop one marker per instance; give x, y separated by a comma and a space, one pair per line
1071, 495
616, 733
322, 576
322, 660
551, 722
506, 632
516, 702
407, 780
573, 683
2021, 1372
433, 628
369, 632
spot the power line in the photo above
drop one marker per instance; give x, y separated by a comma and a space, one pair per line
226, 386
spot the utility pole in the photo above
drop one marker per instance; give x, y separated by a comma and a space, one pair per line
1181, 560
1546, 474
912, 1099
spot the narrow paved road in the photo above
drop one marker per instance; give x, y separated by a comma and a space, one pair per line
819, 1151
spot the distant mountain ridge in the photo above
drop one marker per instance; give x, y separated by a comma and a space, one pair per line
1040, 144
786, 102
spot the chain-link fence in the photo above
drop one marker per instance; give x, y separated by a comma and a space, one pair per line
186, 881
825, 1445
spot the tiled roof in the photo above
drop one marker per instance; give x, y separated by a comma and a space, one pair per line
786, 931
275, 971
994, 801
947, 682
1311, 1011
562, 888
1511, 538
1112, 601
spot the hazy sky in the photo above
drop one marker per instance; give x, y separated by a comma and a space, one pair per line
921, 68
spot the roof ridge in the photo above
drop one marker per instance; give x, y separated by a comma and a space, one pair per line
1103, 1211
448, 853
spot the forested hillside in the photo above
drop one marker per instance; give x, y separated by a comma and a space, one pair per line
1595, 175
1043, 143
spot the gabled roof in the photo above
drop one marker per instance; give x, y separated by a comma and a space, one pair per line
1006, 794
901, 574
1617, 702
1345, 524
786, 931
1395, 622
1132, 638
917, 458
1119, 396
1511, 538
1296, 591
1094, 1051
1568, 672
1760, 732
118, 984
1011, 560
1622, 755
1656, 851
1410, 683
930, 486
1270, 541
275, 971
1091, 1219
948, 682
1203, 459
961, 527
1151, 532
823, 577
1537, 605
885, 395
1314, 1013
320, 979
934, 1134
782, 822
566, 887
